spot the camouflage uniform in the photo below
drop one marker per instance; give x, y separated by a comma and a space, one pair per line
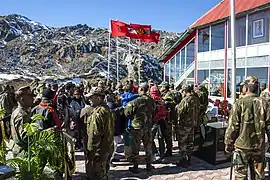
141, 111
100, 131
248, 122
187, 111
171, 119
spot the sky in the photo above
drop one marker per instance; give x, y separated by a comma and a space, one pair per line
168, 15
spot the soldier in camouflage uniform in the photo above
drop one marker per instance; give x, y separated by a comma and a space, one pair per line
140, 111
100, 131
203, 98
167, 96
19, 117
188, 111
245, 135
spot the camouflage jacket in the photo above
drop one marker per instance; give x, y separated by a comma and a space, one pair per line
18, 118
188, 112
248, 122
203, 101
140, 111
170, 103
6, 103
100, 131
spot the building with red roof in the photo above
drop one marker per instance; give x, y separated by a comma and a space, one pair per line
203, 55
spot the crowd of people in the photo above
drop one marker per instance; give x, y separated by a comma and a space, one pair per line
103, 115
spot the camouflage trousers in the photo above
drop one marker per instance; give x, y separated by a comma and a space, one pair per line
144, 135
255, 160
185, 137
169, 134
97, 169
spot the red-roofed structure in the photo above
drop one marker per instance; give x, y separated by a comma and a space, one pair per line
222, 10
202, 54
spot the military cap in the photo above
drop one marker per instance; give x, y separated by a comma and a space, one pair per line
25, 90
165, 84
249, 80
96, 91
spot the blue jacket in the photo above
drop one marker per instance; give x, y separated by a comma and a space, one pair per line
125, 99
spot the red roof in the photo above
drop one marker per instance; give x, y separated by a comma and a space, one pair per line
222, 10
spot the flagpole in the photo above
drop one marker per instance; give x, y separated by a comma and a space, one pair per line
117, 60
109, 52
139, 69
233, 95
129, 45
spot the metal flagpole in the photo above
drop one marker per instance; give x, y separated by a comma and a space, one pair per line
129, 45
117, 60
233, 50
139, 69
109, 52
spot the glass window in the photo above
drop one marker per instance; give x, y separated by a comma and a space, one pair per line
190, 53
218, 36
240, 77
167, 71
261, 73
217, 82
240, 30
191, 75
173, 70
203, 40
258, 28
183, 56
203, 78
178, 65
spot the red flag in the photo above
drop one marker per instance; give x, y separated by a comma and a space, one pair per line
138, 31
119, 28
153, 37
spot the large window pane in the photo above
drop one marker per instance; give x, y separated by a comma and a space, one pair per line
218, 36
258, 27
178, 65
183, 55
173, 70
217, 82
203, 40
240, 30
261, 73
167, 71
203, 77
240, 77
190, 53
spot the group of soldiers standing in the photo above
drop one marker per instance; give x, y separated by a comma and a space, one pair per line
106, 112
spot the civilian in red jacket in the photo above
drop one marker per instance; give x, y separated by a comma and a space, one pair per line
158, 126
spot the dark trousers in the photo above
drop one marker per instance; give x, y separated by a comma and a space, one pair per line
159, 129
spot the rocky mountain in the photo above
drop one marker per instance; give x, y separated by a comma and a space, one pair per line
32, 49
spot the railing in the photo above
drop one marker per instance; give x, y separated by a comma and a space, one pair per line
184, 75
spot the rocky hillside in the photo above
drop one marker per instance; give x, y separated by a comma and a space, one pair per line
32, 49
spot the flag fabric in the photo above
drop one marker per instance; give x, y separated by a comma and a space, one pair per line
153, 37
138, 31
119, 28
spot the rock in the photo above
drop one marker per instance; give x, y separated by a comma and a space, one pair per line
31, 48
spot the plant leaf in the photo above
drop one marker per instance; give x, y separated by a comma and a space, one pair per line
30, 128
38, 117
